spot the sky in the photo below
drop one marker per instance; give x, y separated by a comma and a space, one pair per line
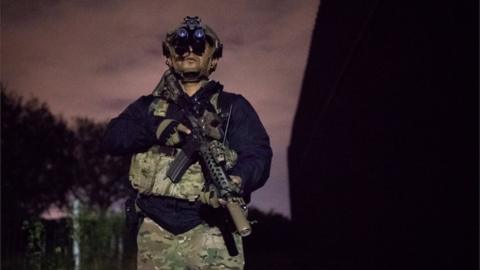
89, 58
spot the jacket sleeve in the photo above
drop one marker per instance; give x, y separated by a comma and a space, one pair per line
248, 138
133, 131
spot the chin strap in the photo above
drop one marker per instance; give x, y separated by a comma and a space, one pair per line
191, 76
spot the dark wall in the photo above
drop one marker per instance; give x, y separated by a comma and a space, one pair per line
383, 159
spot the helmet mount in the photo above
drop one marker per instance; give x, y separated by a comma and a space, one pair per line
192, 34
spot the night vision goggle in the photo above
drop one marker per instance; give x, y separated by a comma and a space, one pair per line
192, 34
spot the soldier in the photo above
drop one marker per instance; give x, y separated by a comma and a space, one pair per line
183, 225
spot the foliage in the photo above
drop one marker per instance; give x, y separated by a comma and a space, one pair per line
35, 246
100, 179
44, 162
46, 245
37, 157
37, 166
101, 236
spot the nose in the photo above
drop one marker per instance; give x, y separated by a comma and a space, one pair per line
188, 52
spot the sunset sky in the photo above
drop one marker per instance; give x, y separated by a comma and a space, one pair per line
92, 58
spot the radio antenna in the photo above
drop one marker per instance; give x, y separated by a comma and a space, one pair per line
228, 124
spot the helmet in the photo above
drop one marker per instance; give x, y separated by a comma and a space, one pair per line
192, 33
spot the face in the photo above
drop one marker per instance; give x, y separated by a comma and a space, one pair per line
190, 62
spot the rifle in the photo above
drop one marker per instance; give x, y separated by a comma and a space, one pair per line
200, 141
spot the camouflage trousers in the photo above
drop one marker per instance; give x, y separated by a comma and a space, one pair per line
202, 247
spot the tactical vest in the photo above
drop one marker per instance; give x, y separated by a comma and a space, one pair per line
148, 170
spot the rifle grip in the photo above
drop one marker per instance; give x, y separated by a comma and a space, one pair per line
241, 223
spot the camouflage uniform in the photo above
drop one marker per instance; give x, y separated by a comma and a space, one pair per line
202, 247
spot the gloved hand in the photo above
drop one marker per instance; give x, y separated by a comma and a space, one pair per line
169, 132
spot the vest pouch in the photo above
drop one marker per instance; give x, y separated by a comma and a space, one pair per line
144, 168
148, 175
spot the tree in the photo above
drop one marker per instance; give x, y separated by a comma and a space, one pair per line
100, 179
37, 156
37, 161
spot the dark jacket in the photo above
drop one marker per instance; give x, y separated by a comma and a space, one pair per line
133, 131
